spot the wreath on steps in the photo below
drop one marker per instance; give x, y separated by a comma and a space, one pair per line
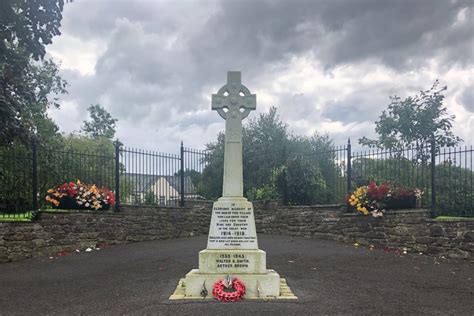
228, 289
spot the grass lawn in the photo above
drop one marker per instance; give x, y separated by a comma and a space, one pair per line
28, 216
16, 217
24, 216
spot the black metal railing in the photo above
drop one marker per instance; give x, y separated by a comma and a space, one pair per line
445, 175
16, 181
264, 174
27, 172
410, 167
150, 178
328, 184
453, 179
143, 177
55, 167
205, 170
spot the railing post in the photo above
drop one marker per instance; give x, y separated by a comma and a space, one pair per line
181, 174
117, 176
285, 178
349, 166
34, 178
433, 184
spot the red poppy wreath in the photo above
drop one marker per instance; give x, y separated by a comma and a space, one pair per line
226, 291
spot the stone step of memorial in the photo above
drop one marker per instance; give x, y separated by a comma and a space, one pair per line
285, 293
256, 285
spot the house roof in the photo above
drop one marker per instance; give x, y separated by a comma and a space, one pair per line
141, 183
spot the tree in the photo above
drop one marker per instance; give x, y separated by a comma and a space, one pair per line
397, 170
414, 121
265, 139
79, 158
267, 133
212, 163
271, 156
101, 123
262, 137
26, 79
454, 192
150, 198
303, 182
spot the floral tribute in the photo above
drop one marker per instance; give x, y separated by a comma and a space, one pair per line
228, 290
77, 195
375, 199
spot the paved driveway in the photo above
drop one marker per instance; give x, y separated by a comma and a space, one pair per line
328, 278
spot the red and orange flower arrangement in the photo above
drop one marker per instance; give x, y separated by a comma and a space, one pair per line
77, 195
375, 199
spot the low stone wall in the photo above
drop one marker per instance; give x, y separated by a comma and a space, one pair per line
66, 231
411, 229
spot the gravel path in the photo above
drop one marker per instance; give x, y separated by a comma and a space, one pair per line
328, 278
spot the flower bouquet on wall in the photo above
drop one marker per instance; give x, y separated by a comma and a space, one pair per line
77, 195
401, 197
375, 199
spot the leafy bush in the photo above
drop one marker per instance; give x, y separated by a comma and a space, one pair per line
304, 183
265, 193
150, 197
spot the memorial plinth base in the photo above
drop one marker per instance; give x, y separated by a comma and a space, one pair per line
232, 261
257, 285
232, 249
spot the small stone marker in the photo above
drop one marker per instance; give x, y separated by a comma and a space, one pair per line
232, 246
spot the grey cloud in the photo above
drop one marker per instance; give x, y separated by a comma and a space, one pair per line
253, 35
163, 58
84, 90
298, 106
95, 19
400, 34
203, 118
360, 106
467, 98
137, 77
250, 35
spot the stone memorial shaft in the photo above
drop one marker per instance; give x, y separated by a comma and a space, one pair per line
233, 102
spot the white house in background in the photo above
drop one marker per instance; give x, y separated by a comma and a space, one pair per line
155, 189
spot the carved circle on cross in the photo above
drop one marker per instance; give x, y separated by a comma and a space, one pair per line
234, 92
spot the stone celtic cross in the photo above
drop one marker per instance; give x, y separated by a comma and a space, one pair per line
233, 102
232, 245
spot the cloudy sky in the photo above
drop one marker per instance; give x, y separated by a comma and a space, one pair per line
328, 66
